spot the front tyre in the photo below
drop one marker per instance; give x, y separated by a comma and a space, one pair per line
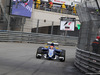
62, 56
39, 52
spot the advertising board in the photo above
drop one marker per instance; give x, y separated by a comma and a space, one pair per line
21, 8
66, 2
67, 24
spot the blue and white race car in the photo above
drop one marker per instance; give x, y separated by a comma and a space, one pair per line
51, 52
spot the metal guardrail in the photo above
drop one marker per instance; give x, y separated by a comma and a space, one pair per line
87, 62
16, 36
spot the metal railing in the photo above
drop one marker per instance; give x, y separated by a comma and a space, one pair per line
15, 36
87, 62
57, 10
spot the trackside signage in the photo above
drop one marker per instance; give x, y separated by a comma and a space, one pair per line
67, 24
67, 2
21, 7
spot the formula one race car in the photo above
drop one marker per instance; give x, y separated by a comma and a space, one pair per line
51, 52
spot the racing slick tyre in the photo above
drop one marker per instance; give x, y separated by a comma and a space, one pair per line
39, 52
62, 55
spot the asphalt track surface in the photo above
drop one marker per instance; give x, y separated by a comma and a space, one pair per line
19, 59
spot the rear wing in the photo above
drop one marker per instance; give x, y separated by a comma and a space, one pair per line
55, 44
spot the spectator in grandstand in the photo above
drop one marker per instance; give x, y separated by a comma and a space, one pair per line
38, 2
74, 10
34, 3
63, 7
45, 5
50, 4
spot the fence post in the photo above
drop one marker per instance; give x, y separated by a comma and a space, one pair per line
8, 27
52, 31
22, 29
52, 27
23, 22
37, 29
65, 32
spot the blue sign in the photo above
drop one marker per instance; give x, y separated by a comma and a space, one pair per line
21, 8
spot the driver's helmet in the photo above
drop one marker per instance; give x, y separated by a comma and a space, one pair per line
51, 47
52, 44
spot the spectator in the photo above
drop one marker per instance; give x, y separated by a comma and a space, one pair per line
63, 7
45, 4
96, 44
34, 3
74, 10
38, 2
50, 5
70, 9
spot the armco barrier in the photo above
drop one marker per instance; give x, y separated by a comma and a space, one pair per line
15, 36
87, 62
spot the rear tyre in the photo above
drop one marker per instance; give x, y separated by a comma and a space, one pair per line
62, 55
39, 52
